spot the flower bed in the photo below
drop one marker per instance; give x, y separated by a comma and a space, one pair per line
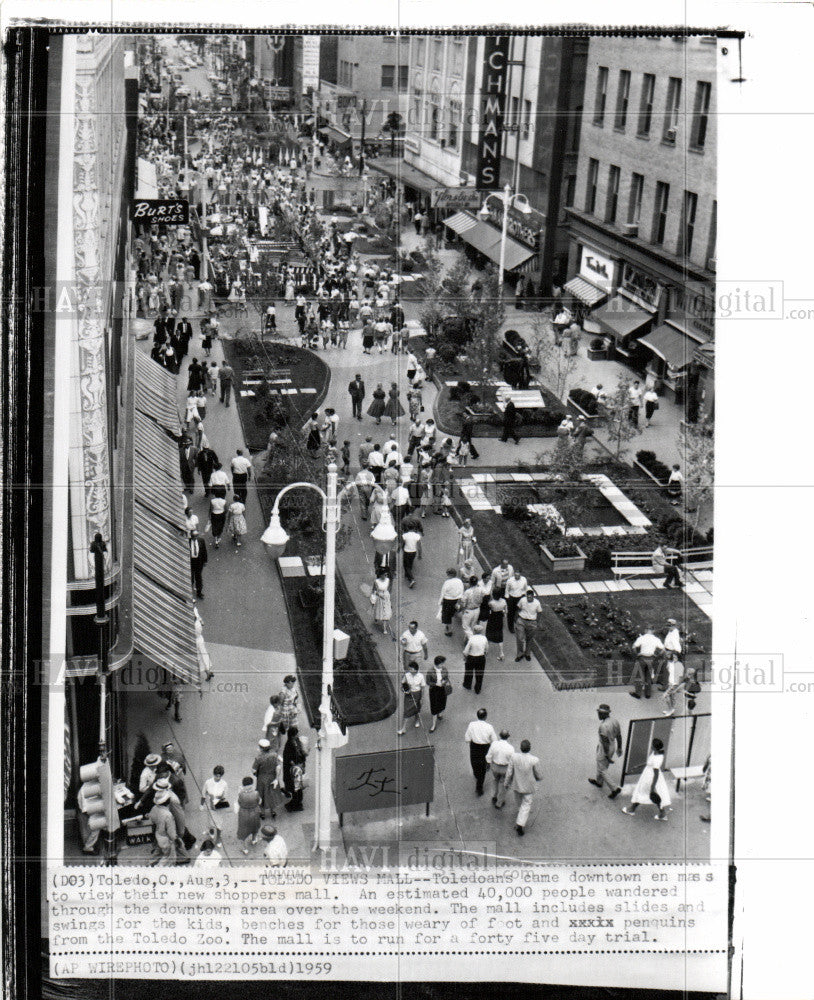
561, 555
651, 466
531, 423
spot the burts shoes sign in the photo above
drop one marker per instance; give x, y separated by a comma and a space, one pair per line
172, 212
493, 90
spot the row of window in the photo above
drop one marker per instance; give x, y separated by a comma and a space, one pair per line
389, 77
442, 126
436, 54
661, 207
672, 109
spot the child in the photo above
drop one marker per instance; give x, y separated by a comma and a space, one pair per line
426, 499
446, 502
201, 404
463, 452
211, 378
345, 457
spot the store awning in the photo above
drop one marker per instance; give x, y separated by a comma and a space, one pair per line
161, 552
146, 179
670, 345
156, 446
585, 292
164, 629
334, 134
486, 239
405, 173
621, 318
155, 393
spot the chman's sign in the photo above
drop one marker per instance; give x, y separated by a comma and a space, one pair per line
173, 212
493, 90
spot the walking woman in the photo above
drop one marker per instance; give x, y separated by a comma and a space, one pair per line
294, 770
412, 684
377, 407
247, 808
466, 547
393, 409
440, 687
651, 786
382, 604
237, 521
494, 623
289, 703
313, 441
215, 798
217, 518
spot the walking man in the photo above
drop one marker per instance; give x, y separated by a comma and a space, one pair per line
480, 736
470, 606
410, 548
609, 747
516, 587
241, 473
647, 647
528, 610
634, 396
364, 483
357, 393
522, 775
498, 757
413, 644
226, 375
197, 561
510, 423
475, 658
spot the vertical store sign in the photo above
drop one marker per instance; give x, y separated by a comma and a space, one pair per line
310, 62
493, 91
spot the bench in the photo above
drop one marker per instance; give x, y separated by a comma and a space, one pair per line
272, 374
686, 774
631, 564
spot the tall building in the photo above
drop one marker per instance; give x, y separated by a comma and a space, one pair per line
643, 217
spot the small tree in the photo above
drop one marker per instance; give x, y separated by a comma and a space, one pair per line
696, 443
431, 311
616, 411
556, 367
486, 315
456, 291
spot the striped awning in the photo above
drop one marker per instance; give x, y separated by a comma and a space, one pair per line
155, 393
151, 441
160, 497
486, 239
460, 222
161, 552
164, 628
585, 292
516, 254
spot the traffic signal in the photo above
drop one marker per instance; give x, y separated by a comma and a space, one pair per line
95, 796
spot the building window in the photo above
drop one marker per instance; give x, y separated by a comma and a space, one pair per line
454, 122
415, 110
574, 124
457, 58
634, 208
672, 110
660, 212
404, 78
590, 191
612, 202
713, 234
700, 118
419, 51
388, 77
622, 98
570, 190
515, 119
687, 229
526, 119
646, 106
437, 53
601, 95
435, 113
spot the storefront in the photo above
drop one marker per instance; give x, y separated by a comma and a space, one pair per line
591, 286
415, 186
485, 240
631, 312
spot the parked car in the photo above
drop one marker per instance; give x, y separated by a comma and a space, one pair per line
515, 344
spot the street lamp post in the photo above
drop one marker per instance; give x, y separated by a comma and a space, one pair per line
275, 538
509, 200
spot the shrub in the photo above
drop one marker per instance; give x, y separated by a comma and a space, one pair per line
585, 400
598, 344
460, 391
653, 465
447, 353
515, 510
562, 547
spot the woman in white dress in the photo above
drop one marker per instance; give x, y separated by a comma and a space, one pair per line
651, 786
204, 660
214, 798
466, 548
382, 605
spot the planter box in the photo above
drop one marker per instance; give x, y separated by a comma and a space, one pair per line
562, 563
600, 355
592, 418
638, 465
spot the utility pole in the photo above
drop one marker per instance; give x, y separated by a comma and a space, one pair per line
362, 145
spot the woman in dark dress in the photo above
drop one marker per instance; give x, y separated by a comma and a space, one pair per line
439, 685
494, 623
486, 587
377, 407
313, 442
367, 338
394, 409
248, 814
294, 770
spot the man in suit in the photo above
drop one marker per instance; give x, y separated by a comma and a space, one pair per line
183, 335
357, 394
510, 423
197, 560
187, 455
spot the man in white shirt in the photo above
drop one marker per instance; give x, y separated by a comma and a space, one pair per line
498, 758
241, 471
528, 610
673, 651
470, 606
480, 735
500, 577
475, 657
634, 396
364, 483
522, 775
400, 503
452, 591
375, 462
516, 587
410, 548
218, 483
276, 850
413, 644
647, 647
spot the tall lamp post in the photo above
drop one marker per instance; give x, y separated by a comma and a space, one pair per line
518, 201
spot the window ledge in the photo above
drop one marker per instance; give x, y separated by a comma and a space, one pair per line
698, 150
643, 135
621, 129
599, 124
